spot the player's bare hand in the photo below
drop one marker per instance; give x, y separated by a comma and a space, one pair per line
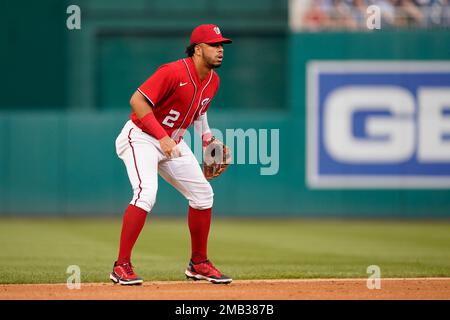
169, 147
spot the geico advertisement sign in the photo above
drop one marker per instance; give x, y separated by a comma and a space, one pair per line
375, 124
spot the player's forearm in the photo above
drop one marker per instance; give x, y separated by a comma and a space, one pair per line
145, 114
202, 127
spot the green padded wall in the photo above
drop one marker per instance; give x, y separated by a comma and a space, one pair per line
32, 54
125, 62
57, 152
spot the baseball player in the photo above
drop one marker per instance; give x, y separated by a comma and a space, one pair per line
164, 106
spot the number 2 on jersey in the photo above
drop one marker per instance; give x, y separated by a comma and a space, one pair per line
171, 118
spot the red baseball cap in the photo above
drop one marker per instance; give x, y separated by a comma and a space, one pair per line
208, 33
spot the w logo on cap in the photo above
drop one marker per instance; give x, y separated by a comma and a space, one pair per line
208, 33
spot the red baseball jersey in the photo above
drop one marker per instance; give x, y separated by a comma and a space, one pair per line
178, 96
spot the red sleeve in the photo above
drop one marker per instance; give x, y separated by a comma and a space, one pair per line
159, 85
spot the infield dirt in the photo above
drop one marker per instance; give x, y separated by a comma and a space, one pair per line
304, 289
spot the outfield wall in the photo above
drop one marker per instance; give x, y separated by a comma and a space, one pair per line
385, 46
64, 163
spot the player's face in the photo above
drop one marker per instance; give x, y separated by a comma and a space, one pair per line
212, 54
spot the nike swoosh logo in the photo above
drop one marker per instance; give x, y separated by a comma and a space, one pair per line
183, 84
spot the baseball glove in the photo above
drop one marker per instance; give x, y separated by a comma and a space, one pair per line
216, 158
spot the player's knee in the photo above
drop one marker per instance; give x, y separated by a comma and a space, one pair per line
203, 199
144, 199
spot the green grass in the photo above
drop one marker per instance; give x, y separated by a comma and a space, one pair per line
40, 250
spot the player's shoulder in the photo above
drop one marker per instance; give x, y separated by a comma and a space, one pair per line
216, 78
170, 69
175, 66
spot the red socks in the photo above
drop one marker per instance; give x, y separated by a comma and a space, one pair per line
199, 222
133, 222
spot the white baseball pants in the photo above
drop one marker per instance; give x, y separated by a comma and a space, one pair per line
144, 159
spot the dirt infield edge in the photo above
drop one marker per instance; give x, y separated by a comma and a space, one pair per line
282, 289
